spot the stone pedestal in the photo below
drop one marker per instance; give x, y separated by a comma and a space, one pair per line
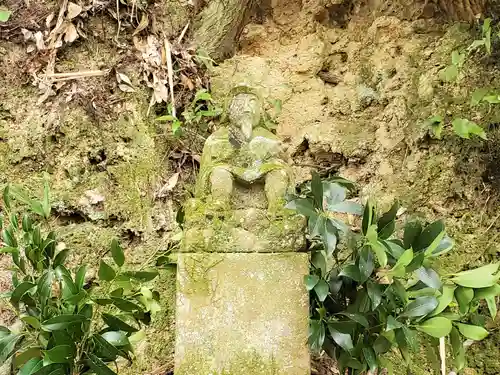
242, 314
242, 307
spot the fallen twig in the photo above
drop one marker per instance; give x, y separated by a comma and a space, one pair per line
170, 70
442, 354
179, 40
75, 75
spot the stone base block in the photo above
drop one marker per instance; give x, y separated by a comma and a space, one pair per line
242, 314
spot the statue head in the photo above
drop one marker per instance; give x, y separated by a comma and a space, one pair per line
245, 111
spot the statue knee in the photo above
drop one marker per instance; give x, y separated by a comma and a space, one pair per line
221, 181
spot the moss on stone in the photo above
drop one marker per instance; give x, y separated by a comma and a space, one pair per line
248, 364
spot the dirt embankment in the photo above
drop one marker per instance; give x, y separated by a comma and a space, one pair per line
357, 80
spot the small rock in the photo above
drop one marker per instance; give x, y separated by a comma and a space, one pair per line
366, 96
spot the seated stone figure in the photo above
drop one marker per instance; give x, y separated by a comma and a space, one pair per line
245, 153
228, 213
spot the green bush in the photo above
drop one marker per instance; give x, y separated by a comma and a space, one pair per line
71, 324
373, 290
453, 73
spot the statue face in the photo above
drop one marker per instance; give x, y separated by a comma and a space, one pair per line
245, 110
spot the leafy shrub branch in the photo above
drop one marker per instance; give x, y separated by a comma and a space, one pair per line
70, 324
463, 127
374, 290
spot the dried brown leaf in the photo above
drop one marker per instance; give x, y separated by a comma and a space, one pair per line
49, 20
170, 185
40, 44
70, 35
126, 88
73, 10
187, 82
143, 24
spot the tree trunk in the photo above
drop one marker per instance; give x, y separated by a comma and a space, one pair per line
220, 26
464, 10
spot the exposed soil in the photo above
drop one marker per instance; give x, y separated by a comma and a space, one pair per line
356, 79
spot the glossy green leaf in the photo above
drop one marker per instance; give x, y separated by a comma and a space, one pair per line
117, 324
314, 223
32, 321
7, 345
375, 293
329, 233
492, 306
472, 332
303, 206
380, 253
76, 298
420, 306
444, 245
412, 232
80, 277
318, 260
386, 223
6, 190
98, 366
444, 299
316, 335
465, 128
343, 340
347, 207
458, 349
317, 190
365, 264
27, 223
333, 194
358, 318
406, 340
428, 235
143, 276
322, 289
392, 323
106, 273
105, 349
368, 217
62, 321
436, 327
311, 281
59, 354
9, 237
125, 305
19, 292
371, 359
394, 249
31, 366
482, 293
464, 296
116, 338
382, 344
61, 258
351, 271
46, 199
51, 369
404, 260
117, 253
429, 277
481, 277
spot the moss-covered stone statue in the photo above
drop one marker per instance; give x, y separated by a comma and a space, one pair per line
245, 153
238, 163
